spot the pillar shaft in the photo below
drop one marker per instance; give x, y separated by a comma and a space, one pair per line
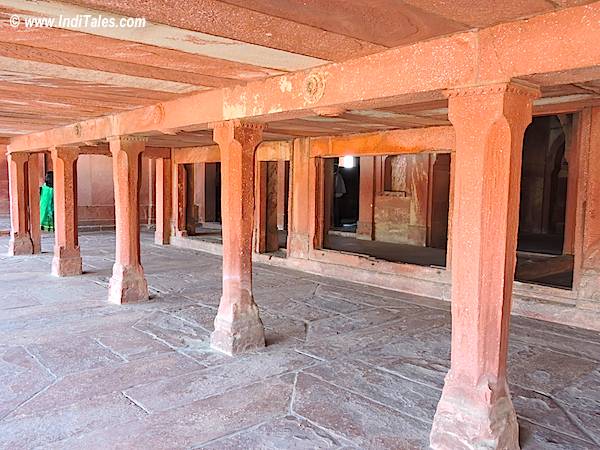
299, 227
238, 327
162, 236
282, 195
127, 284
178, 199
20, 239
589, 279
267, 239
67, 257
475, 410
200, 190
34, 169
366, 204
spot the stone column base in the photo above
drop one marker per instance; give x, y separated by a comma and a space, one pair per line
243, 334
20, 245
364, 230
127, 285
160, 239
66, 263
463, 423
299, 245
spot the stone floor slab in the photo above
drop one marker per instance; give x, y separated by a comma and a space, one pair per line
346, 365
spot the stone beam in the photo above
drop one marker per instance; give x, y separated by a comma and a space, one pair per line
196, 155
414, 140
157, 152
274, 151
267, 151
497, 54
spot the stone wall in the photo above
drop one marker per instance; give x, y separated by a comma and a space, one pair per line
401, 209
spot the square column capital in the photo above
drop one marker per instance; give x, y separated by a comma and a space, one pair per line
18, 157
129, 144
66, 153
245, 134
477, 111
516, 87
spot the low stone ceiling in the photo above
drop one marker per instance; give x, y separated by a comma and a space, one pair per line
56, 76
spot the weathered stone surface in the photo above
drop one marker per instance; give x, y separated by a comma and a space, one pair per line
197, 315
545, 370
288, 432
130, 344
413, 398
297, 310
384, 360
185, 389
535, 437
546, 411
196, 423
62, 357
345, 323
172, 330
280, 329
362, 421
46, 427
21, 377
422, 357
92, 383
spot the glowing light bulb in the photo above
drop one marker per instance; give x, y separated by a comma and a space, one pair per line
347, 162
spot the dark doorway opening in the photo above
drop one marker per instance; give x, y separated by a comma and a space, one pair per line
345, 194
541, 254
271, 206
407, 221
208, 200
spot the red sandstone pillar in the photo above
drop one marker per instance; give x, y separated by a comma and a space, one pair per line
475, 410
67, 258
589, 278
299, 226
162, 236
366, 204
34, 170
282, 191
266, 207
200, 191
20, 240
127, 284
238, 327
178, 200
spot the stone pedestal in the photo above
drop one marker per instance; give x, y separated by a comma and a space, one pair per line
238, 327
67, 257
20, 240
127, 284
475, 410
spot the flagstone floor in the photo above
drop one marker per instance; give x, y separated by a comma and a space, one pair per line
346, 366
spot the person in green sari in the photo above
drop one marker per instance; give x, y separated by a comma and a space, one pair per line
47, 203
